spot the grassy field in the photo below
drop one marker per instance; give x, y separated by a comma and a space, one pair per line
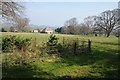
102, 62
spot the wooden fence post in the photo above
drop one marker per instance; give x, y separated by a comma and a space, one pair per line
89, 45
75, 47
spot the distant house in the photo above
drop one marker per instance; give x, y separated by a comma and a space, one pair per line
35, 30
47, 30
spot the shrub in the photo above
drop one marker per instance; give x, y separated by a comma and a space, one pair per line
22, 43
10, 43
53, 40
52, 44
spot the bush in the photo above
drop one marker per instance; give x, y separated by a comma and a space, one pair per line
53, 40
10, 43
22, 43
52, 44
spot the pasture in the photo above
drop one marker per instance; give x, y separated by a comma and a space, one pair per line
102, 62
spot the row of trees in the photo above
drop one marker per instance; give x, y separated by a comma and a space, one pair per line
104, 23
13, 13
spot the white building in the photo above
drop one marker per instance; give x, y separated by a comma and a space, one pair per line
35, 31
47, 30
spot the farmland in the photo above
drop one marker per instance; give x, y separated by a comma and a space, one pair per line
102, 62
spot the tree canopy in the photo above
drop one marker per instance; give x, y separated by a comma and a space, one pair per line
11, 11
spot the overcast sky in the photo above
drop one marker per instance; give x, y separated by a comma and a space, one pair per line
56, 13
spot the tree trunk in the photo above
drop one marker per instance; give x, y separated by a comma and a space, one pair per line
108, 34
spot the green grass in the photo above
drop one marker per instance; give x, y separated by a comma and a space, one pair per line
102, 62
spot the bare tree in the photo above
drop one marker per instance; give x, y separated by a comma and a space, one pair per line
90, 22
65, 29
70, 25
108, 20
84, 29
11, 10
77, 29
21, 23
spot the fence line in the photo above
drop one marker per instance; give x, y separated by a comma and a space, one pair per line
77, 45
